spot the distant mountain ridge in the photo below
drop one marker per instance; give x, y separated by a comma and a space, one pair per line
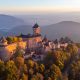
64, 28
25, 29
8, 22
61, 29
10, 25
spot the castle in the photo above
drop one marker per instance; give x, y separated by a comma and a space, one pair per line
28, 41
31, 42
32, 39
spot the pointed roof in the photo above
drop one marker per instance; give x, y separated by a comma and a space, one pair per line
36, 26
3, 39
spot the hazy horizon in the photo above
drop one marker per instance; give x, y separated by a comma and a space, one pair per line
38, 6
45, 12
51, 18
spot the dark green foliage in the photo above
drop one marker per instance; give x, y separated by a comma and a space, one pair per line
11, 71
72, 49
13, 39
57, 57
9, 39
74, 71
2, 69
51, 68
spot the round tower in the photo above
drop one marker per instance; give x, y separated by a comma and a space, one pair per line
36, 29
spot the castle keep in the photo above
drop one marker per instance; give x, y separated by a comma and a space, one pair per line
32, 39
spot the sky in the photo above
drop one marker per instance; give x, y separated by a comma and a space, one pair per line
40, 6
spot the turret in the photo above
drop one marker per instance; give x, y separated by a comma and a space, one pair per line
36, 29
3, 41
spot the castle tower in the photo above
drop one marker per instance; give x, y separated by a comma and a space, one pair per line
36, 34
36, 29
3, 41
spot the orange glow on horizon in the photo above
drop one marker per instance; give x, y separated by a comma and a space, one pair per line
40, 9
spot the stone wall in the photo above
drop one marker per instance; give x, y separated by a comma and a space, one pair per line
7, 51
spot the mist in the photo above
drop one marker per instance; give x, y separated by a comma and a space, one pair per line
44, 19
